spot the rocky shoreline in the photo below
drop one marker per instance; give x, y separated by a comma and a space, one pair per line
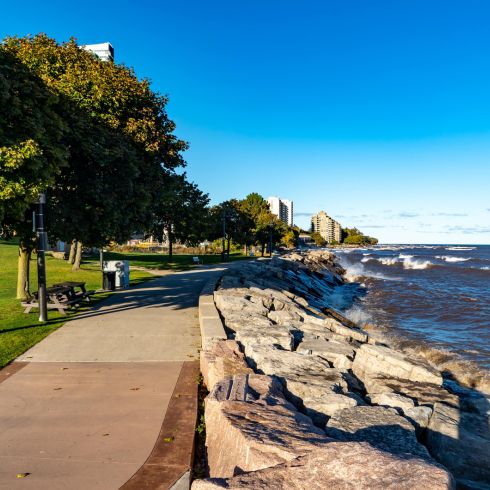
301, 398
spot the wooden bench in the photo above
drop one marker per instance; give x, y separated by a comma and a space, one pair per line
61, 296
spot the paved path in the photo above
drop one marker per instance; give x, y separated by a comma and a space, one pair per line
109, 391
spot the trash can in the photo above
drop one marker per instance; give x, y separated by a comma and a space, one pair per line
121, 269
109, 281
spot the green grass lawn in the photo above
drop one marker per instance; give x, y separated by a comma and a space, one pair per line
19, 331
162, 262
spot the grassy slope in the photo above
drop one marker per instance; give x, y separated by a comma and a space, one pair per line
18, 331
161, 261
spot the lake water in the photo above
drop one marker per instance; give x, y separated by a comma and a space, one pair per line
434, 293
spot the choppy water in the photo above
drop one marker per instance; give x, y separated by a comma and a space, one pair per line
439, 294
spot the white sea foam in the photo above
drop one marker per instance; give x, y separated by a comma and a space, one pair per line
449, 258
485, 268
410, 263
357, 271
389, 260
405, 256
358, 316
460, 248
366, 259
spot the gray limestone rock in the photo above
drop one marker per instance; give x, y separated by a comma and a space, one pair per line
382, 427
460, 440
392, 400
341, 466
270, 336
237, 320
250, 425
225, 359
375, 360
423, 393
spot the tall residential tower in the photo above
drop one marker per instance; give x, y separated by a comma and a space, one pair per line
282, 208
327, 227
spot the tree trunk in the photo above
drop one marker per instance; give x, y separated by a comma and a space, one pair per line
73, 248
23, 272
263, 248
170, 248
78, 257
228, 247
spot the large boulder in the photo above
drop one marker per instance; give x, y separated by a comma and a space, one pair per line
424, 393
272, 361
382, 427
339, 354
341, 466
224, 360
238, 320
460, 440
270, 336
226, 301
375, 360
250, 425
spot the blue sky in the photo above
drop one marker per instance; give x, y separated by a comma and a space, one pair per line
377, 112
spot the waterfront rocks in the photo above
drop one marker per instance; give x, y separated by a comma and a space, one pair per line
423, 393
392, 400
250, 425
382, 427
320, 382
340, 354
374, 360
225, 359
272, 336
341, 466
460, 441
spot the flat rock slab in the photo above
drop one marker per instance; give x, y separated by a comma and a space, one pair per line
250, 425
81, 425
341, 466
382, 427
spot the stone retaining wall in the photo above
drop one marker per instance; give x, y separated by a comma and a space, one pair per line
298, 396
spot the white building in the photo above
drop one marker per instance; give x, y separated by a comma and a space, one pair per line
282, 208
104, 51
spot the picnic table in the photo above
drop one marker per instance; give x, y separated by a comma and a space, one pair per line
61, 296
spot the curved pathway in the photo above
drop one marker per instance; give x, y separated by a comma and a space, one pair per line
109, 400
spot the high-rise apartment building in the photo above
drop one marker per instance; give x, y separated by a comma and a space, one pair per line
282, 208
104, 51
327, 227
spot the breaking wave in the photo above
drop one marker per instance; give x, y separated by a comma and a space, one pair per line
460, 248
410, 263
449, 258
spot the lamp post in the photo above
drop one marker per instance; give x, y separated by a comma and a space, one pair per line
41, 259
223, 240
270, 238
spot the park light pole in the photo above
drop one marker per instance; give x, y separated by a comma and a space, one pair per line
270, 238
223, 219
41, 259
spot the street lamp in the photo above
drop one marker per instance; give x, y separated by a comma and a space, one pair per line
270, 237
41, 259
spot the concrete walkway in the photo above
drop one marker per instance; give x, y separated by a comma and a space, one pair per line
108, 400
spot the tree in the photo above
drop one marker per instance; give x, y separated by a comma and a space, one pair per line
355, 237
179, 211
318, 239
32, 153
114, 143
